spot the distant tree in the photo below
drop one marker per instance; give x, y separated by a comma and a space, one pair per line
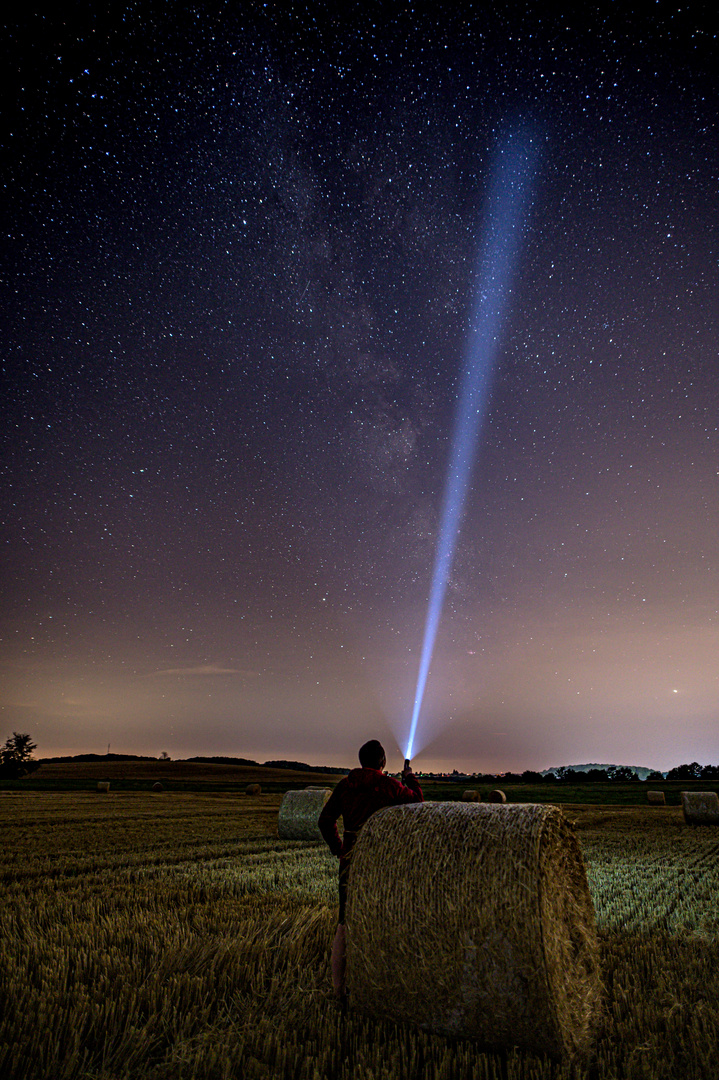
164, 756
597, 776
512, 778
655, 777
686, 772
569, 776
531, 777
622, 773
710, 772
16, 758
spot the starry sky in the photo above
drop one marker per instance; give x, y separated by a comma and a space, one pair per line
238, 255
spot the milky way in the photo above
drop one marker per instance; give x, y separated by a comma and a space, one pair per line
238, 256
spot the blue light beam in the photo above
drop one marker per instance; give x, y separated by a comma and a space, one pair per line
509, 194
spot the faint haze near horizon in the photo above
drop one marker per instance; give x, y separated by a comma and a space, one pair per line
529, 717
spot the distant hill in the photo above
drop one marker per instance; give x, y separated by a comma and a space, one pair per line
224, 760
94, 757
106, 759
300, 766
296, 766
139, 771
641, 770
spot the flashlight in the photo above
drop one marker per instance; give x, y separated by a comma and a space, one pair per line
407, 765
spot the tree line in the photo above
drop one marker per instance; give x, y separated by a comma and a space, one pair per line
620, 773
16, 761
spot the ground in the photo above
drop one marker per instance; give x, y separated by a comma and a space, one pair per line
173, 935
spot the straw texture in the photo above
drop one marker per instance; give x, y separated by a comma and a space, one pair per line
656, 798
477, 921
700, 807
299, 811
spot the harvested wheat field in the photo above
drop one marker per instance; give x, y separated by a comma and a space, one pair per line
179, 937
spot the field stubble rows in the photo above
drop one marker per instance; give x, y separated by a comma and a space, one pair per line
172, 937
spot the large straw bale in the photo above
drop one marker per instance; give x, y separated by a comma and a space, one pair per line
157, 786
103, 786
497, 796
700, 807
299, 811
656, 798
253, 789
471, 796
475, 920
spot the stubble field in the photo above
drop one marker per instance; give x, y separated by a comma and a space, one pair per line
169, 936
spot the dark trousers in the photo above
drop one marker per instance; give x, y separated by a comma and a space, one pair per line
345, 859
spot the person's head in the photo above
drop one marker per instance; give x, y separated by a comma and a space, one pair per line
372, 755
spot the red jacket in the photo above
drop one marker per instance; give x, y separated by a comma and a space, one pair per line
356, 798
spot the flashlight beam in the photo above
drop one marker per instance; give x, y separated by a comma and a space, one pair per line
508, 198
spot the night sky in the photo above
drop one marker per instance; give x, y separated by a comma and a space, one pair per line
238, 255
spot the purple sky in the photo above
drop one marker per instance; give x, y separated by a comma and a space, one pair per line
237, 264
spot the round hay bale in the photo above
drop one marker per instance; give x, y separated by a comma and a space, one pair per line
656, 798
253, 789
157, 786
700, 807
471, 796
103, 785
476, 921
497, 796
299, 811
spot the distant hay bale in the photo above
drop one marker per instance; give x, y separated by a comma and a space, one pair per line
253, 789
700, 807
103, 785
497, 796
158, 786
656, 798
299, 811
471, 796
484, 928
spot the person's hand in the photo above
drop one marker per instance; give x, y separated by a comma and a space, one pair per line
407, 774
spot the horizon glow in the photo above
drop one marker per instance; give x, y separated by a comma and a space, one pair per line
511, 183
